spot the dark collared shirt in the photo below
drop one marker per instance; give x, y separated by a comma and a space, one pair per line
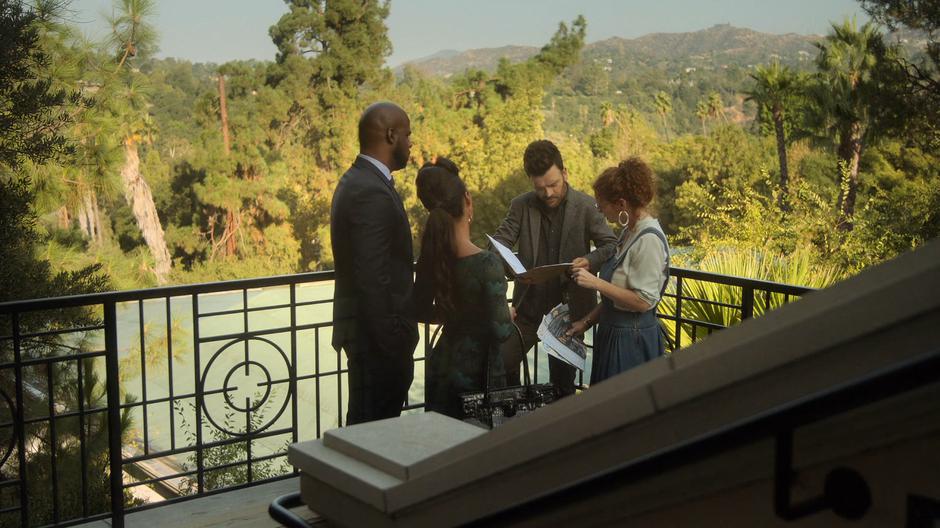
543, 297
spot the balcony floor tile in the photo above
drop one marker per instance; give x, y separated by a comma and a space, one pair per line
244, 508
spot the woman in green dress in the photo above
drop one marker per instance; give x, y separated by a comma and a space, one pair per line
462, 287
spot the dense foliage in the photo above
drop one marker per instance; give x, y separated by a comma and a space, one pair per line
763, 149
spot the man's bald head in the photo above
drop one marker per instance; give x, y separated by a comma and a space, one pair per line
384, 134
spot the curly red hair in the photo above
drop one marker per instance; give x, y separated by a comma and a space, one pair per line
631, 180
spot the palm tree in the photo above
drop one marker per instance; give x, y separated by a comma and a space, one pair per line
607, 113
702, 112
133, 37
774, 89
716, 108
663, 108
848, 61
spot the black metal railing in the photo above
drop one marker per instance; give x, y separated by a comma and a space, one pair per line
116, 402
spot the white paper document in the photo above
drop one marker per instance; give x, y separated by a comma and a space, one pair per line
510, 258
535, 275
554, 325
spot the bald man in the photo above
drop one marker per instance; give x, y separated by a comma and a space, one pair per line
373, 315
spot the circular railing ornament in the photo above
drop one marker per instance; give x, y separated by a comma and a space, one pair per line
250, 369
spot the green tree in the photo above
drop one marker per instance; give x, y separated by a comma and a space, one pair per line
716, 107
327, 52
919, 92
34, 116
663, 108
329, 65
775, 89
845, 98
32, 111
237, 185
702, 112
132, 39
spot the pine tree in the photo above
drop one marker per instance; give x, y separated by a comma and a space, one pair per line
134, 38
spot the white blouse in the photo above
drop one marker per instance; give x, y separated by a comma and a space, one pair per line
643, 269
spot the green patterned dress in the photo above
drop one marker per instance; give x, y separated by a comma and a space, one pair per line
457, 362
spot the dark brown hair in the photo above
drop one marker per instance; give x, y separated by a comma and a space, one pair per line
539, 156
441, 192
631, 180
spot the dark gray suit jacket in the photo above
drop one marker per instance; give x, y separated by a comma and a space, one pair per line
374, 262
582, 224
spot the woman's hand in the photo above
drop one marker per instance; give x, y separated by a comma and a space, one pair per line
577, 328
580, 263
585, 279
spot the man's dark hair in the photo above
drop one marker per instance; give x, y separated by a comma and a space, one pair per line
540, 156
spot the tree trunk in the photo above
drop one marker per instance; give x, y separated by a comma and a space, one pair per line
83, 223
63, 217
87, 217
849, 153
96, 216
665, 128
223, 110
231, 228
138, 195
782, 155
231, 223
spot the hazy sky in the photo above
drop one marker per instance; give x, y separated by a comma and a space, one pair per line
223, 30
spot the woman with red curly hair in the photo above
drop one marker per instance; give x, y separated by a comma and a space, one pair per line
633, 281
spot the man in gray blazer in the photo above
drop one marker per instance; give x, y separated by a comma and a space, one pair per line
373, 316
553, 223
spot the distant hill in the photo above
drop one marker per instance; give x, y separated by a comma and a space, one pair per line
446, 63
717, 46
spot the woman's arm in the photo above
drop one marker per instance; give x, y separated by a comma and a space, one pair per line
621, 296
494, 286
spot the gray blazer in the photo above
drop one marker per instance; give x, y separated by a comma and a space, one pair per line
583, 223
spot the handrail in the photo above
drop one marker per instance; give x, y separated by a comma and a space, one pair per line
71, 301
731, 280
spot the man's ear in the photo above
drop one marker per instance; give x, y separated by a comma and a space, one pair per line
390, 135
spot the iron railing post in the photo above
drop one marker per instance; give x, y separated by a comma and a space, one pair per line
747, 302
19, 419
200, 477
114, 414
678, 344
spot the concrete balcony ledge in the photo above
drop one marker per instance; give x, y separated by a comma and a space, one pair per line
430, 470
369, 460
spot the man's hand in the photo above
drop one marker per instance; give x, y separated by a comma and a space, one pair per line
512, 313
580, 263
586, 279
